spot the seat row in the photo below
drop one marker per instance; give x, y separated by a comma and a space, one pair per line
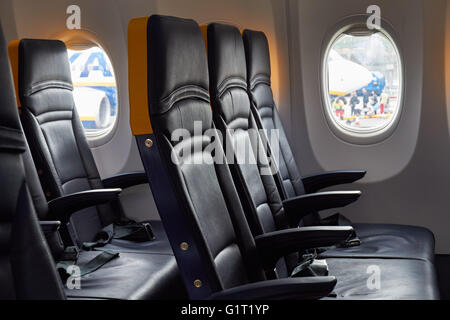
247, 228
230, 228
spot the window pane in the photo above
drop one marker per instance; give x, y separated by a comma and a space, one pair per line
363, 82
95, 91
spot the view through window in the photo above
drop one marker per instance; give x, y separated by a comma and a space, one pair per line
95, 90
364, 81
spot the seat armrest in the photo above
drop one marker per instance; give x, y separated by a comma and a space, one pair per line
298, 207
274, 245
49, 226
125, 180
62, 208
316, 182
308, 288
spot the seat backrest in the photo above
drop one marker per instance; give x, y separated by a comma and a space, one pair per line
195, 195
54, 131
266, 112
232, 115
26, 266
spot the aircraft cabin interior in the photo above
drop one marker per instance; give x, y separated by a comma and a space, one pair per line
225, 150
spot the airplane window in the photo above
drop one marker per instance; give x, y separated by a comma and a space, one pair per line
95, 90
363, 82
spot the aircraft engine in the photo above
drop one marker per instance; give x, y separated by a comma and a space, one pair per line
92, 106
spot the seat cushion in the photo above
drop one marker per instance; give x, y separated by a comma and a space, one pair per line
389, 241
131, 277
159, 245
400, 279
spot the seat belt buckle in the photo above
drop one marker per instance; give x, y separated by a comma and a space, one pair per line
354, 242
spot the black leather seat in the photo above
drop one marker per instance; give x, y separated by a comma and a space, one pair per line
27, 269
21, 244
377, 240
136, 276
60, 149
401, 278
199, 206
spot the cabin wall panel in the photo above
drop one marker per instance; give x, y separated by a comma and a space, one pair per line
408, 179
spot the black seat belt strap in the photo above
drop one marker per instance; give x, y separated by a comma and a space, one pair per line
310, 267
101, 239
71, 258
138, 232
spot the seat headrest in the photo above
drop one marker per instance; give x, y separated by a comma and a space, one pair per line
258, 57
178, 58
226, 57
166, 63
11, 136
43, 64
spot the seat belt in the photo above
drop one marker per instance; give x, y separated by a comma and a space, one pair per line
310, 267
137, 232
70, 258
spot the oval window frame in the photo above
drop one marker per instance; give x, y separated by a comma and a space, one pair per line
78, 40
358, 136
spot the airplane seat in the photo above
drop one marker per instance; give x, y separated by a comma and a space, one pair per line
231, 111
412, 278
27, 267
130, 276
377, 240
60, 150
195, 195
26, 270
